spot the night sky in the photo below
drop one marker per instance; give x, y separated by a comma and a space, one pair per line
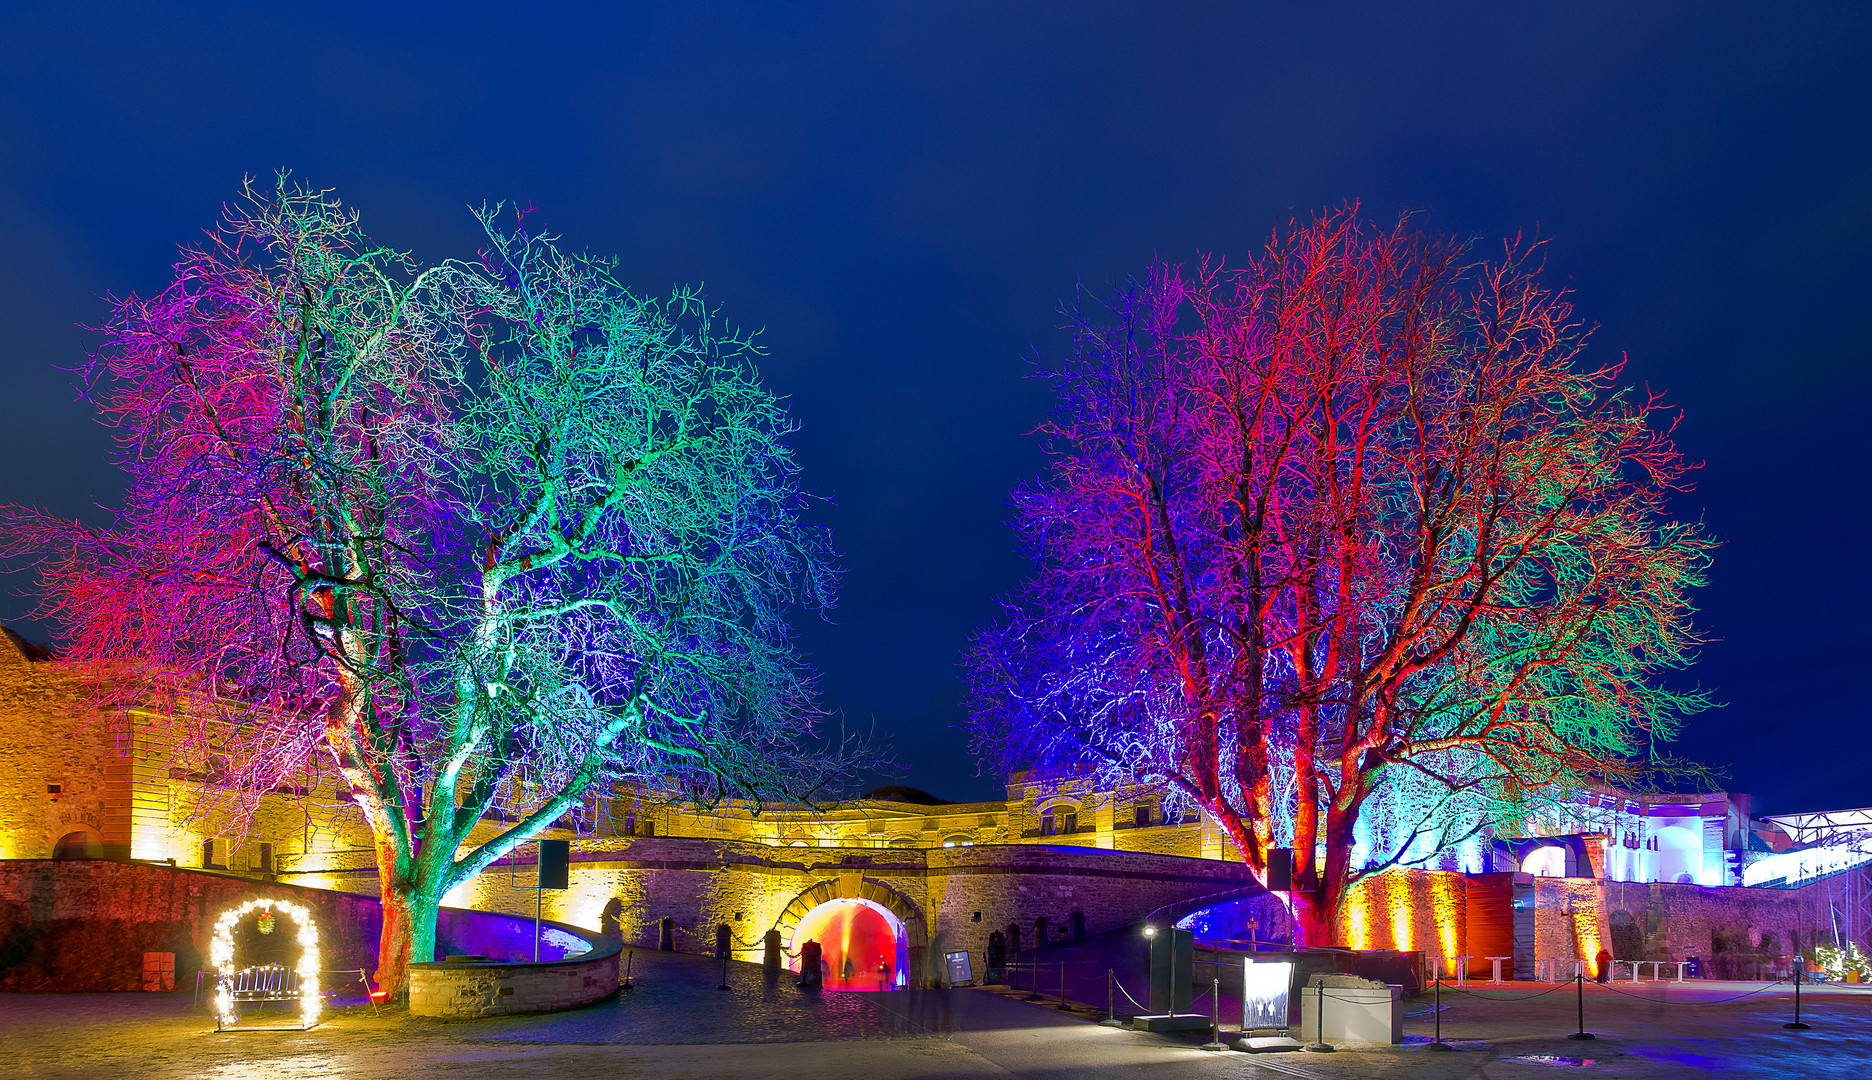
901, 195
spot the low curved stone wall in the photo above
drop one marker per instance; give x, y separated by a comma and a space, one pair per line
87, 924
455, 990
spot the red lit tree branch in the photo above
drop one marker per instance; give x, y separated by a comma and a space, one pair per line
486, 537
1353, 523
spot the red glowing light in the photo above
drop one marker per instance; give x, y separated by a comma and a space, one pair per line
859, 943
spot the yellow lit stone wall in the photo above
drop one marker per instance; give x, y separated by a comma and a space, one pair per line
50, 735
1411, 910
954, 871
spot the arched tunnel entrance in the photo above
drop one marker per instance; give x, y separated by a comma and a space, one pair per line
863, 944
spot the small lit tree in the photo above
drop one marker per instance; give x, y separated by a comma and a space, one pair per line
488, 537
1348, 528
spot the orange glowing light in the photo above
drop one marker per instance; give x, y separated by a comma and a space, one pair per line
1445, 903
859, 945
1586, 936
1403, 913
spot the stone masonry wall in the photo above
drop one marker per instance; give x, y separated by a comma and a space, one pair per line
1410, 910
1736, 933
625, 887
466, 991
1023, 884
51, 735
85, 924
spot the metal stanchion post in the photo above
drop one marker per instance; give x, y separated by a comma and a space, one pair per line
1111, 1013
1319, 1045
1215, 1017
1800, 966
1579, 994
1062, 1003
724, 971
1439, 1044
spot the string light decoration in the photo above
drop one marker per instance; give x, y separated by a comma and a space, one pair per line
221, 958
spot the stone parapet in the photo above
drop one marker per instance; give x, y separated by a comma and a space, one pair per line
473, 991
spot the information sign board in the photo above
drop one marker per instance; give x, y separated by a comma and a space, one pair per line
1265, 987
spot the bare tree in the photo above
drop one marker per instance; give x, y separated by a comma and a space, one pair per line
1351, 526
487, 537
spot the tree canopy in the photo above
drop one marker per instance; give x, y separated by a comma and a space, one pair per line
487, 537
1351, 528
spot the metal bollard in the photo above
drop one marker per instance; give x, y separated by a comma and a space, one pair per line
1215, 1017
1319, 1045
1800, 966
1579, 994
1111, 1013
1439, 1044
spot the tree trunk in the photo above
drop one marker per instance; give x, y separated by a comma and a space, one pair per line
1314, 918
409, 935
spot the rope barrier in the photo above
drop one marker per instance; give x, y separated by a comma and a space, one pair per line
1717, 1001
1507, 996
1213, 994
1127, 994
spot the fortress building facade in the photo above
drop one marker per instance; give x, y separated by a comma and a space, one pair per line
1655, 877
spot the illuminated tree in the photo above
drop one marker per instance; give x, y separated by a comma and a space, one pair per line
1350, 529
488, 538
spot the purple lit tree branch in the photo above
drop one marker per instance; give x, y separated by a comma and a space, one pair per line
1348, 529
490, 537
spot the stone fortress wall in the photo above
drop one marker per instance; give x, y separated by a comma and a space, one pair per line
88, 924
77, 782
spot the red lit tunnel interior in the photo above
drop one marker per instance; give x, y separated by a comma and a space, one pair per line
860, 946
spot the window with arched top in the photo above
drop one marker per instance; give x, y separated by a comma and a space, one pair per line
958, 841
1059, 820
1549, 861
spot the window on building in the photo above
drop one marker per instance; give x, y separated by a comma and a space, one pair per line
266, 858
208, 859
958, 841
1141, 814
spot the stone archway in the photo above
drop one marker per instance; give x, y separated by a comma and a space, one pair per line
82, 842
854, 889
851, 887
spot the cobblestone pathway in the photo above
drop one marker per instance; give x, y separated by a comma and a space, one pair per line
678, 1025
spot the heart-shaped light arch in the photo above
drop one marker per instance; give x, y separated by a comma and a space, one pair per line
221, 956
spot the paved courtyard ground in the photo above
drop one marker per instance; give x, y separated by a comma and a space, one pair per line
677, 1024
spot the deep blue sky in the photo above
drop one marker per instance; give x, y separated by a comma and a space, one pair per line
901, 195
